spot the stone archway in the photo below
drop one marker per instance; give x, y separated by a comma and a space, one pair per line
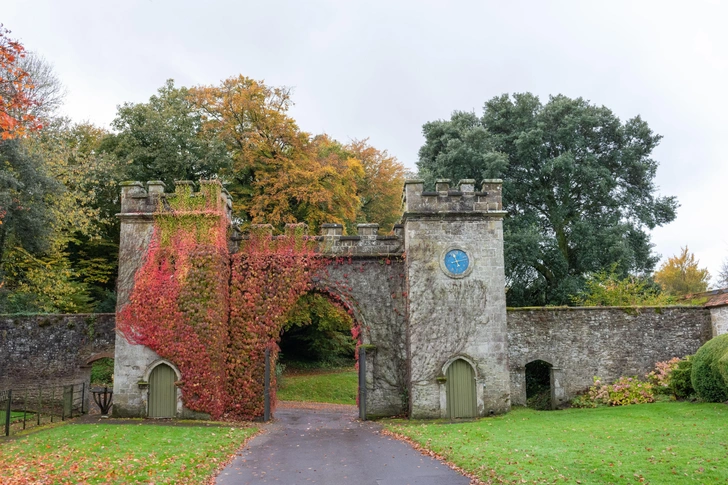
415, 311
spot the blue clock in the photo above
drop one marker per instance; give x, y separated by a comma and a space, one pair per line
456, 262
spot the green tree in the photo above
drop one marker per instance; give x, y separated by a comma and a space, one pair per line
318, 330
680, 275
578, 187
608, 288
163, 139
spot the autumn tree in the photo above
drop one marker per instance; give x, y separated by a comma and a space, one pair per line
578, 185
16, 90
680, 275
380, 190
85, 229
279, 173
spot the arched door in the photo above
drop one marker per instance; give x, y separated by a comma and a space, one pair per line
162, 392
461, 400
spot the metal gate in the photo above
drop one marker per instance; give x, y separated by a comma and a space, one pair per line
461, 401
162, 392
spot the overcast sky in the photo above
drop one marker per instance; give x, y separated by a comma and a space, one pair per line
380, 69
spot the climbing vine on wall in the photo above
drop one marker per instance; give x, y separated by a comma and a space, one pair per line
179, 306
268, 276
212, 317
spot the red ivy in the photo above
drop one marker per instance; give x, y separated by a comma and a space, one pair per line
179, 305
268, 276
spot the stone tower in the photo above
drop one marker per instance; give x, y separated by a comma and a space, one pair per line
456, 294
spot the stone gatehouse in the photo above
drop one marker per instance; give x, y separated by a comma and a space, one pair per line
430, 299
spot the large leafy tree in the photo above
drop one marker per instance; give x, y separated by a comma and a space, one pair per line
578, 187
680, 275
281, 174
163, 139
380, 190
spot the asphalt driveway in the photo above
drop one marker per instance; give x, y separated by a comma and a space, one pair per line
330, 447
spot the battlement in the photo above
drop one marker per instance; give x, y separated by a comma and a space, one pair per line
333, 242
136, 201
464, 200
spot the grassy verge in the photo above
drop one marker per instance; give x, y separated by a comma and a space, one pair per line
14, 416
331, 387
119, 454
661, 443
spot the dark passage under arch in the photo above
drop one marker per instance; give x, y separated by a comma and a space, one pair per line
538, 385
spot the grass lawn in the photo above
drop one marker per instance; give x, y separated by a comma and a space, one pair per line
119, 454
661, 443
14, 416
332, 387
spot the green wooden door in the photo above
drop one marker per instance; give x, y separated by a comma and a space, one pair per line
461, 401
162, 393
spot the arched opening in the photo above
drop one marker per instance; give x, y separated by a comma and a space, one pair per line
538, 385
461, 393
162, 392
317, 352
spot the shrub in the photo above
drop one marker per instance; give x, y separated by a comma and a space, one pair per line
540, 401
709, 375
680, 384
661, 376
102, 371
624, 391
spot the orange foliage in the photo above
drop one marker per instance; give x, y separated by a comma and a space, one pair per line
380, 190
280, 174
16, 87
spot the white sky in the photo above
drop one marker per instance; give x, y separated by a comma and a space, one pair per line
380, 69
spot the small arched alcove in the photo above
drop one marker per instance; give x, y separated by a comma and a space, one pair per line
539, 385
162, 401
461, 390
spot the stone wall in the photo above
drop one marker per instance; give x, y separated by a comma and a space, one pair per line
373, 289
719, 318
581, 343
41, 349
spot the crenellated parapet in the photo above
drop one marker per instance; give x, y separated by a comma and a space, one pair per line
140, 202
366, 243
462, 200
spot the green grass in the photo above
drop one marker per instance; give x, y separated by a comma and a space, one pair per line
661, 443
14, 416
119, 454
331, 387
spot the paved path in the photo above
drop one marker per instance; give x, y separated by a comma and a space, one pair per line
330, 447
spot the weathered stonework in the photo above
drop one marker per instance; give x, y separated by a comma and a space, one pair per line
448, 317
373, 287
58, 349
719, 320
417, 318
608, 342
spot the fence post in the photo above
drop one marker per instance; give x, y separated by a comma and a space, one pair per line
362, 383
83, 397
25, 406
67, 402
7, 412
53, 401
266, 380
39, 405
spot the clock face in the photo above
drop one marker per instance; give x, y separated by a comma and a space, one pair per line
457, 262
